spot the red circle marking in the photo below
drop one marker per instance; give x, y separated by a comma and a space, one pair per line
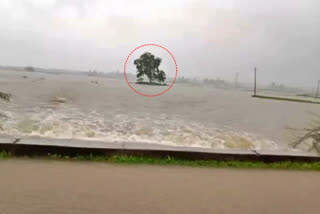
154, 95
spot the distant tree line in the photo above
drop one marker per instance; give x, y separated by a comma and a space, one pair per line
216, 82
29, 68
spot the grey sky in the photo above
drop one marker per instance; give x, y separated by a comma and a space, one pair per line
208, 38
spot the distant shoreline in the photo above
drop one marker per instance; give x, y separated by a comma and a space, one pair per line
285, 99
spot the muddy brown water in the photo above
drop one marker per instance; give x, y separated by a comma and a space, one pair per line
71, 106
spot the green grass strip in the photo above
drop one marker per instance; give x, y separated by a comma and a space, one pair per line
214, 163
5, 155
129, 159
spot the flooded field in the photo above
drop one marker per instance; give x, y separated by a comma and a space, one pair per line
96, 108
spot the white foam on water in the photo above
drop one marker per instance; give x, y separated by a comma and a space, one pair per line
58, 106
70, 122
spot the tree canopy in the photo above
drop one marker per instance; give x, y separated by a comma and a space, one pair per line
148, 65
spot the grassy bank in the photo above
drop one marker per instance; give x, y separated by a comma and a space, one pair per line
125, 159
285, 99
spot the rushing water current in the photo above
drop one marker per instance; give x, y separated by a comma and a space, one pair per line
96, 108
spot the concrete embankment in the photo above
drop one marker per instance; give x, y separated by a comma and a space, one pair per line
36, 146
287, 99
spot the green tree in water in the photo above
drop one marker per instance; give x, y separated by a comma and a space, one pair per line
148, 65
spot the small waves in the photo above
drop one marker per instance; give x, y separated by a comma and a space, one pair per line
70, 122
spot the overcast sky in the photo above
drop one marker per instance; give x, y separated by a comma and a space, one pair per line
208, 38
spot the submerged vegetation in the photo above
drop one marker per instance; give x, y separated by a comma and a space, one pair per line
310, 137
5, 96
153, 83
130, 159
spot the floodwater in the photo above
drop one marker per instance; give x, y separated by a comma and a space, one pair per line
97, 108
32, 187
